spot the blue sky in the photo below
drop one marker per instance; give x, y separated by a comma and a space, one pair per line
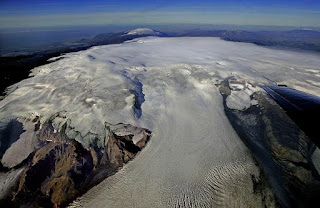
43, 13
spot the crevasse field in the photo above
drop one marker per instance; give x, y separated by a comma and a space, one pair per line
194, 158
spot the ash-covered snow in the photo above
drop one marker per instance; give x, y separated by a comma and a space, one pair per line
194, 158
316, 159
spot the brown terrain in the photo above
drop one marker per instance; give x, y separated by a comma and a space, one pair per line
61, 169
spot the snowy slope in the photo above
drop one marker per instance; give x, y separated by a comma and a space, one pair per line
195, 158
142, 31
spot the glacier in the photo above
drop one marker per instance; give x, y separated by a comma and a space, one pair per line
195, 158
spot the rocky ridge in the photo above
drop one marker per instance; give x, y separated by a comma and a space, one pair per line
283, 151
61, 168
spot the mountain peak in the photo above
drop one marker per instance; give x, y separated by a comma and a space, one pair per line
143, 31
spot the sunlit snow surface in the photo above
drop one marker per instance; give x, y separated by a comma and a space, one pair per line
194, 158
142, 31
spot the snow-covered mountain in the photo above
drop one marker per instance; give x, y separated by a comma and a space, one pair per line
143, 31
92, 111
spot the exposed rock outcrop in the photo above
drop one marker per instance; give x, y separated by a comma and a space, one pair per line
61, 168
282, 150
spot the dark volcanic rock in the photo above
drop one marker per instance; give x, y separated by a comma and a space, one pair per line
281, 148
62, 169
